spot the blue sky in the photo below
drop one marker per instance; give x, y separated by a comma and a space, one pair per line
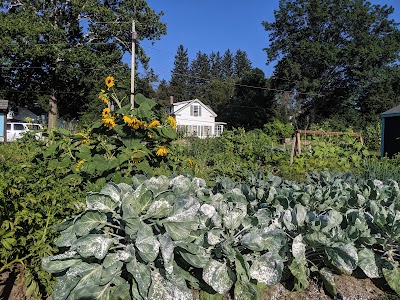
217, 25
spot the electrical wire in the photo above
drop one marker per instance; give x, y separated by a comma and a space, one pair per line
187, 75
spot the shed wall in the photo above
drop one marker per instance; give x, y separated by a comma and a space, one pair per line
391, 136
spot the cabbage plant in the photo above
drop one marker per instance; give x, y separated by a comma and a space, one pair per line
162, 238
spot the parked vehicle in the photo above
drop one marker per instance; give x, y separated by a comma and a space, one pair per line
16, 130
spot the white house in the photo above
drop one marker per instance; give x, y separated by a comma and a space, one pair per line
194, 118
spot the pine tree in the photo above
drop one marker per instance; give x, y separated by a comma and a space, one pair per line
200, 74
241, 64
216, 65
163, 92
179, 84
227, 64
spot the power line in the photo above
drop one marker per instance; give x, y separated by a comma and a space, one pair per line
185, 75
42, 92
252, 86
62, 67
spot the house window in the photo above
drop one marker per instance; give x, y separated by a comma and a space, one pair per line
218, 130
195, 110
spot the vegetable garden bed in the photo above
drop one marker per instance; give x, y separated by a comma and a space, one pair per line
162, 237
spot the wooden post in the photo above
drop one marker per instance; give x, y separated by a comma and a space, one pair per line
298, 143
293, 147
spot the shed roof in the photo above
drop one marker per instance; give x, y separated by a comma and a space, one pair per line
392, 111
3, 104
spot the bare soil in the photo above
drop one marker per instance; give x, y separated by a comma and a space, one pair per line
349, 288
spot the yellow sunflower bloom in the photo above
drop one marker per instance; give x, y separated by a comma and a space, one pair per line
110, 81
154, 124
106, 112
135, 123
103, 97
171, 121
109, 122
79, 165
162, 151
127, 120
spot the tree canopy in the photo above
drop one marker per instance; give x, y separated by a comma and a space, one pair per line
338, 55
56, 52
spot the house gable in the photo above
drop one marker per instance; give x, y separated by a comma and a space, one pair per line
180, 106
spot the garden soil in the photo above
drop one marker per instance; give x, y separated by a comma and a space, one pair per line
349, 288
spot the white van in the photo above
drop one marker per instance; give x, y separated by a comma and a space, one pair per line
15, 130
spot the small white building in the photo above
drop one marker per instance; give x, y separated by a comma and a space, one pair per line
194, 118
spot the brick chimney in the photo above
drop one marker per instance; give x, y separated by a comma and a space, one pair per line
171, 100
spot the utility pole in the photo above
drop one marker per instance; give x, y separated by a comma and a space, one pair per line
133, 65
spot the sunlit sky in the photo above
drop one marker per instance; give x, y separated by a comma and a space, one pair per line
217, 25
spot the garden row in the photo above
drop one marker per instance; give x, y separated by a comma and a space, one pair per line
162, 238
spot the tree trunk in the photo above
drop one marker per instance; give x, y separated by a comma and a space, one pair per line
53, 111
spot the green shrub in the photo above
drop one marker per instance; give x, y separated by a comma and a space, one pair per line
278, 131
33, 197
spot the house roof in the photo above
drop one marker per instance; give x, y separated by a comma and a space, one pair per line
185, 104
393, 111
3, 104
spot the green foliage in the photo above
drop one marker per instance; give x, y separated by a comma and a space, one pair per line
251, 106
233, 155
47, 49
179, 84
372, 135
43, 181
124, 142
163, 236
33, 197
384, 168
336, 154
278, 131
338, 57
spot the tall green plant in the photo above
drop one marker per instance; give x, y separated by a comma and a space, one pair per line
33, 197
123, 142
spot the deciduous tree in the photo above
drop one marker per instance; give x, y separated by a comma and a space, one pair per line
59, 50
337, 54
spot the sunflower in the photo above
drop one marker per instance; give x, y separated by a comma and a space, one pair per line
135, 123
162, 151
154, 124
103, 97
108, 121
127, 120
171, 121
106, 112
110, 81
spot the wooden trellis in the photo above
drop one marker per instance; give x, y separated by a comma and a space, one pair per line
296, 145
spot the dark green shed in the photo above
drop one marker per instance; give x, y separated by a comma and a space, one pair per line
390, 139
